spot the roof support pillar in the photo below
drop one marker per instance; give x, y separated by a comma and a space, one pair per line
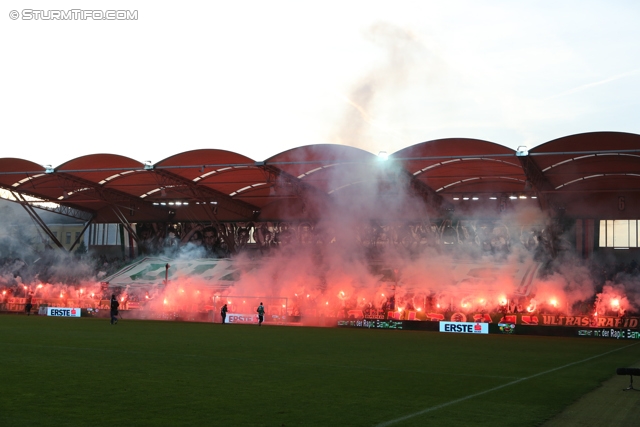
36, 218
538, 181
81, 234
124, 222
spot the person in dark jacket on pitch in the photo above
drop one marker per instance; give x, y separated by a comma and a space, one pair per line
114, 309
260, 311
223, 313
28, 305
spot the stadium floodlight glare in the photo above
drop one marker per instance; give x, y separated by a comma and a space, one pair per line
383, 155
522, 151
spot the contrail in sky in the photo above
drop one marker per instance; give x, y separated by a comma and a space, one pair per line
590, 85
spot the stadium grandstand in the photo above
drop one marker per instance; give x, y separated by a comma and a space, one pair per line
445, 229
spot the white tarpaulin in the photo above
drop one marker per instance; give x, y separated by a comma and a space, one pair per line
468, 277
151, 271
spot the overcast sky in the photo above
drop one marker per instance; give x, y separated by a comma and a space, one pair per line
260, 77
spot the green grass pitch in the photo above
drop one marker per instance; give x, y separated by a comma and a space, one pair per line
71, 372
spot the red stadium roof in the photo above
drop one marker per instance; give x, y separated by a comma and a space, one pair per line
211, 184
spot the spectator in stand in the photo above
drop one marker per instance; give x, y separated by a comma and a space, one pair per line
148, 238
243, 232
212, 242
171, 239
210, 239
194, 236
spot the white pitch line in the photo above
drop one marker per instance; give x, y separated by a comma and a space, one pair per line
462, 399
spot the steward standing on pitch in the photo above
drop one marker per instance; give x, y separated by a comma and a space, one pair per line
260, 311
28, 305
223, 313
114, 309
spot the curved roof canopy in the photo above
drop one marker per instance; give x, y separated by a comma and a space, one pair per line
301, 183
590, 162
460, 165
